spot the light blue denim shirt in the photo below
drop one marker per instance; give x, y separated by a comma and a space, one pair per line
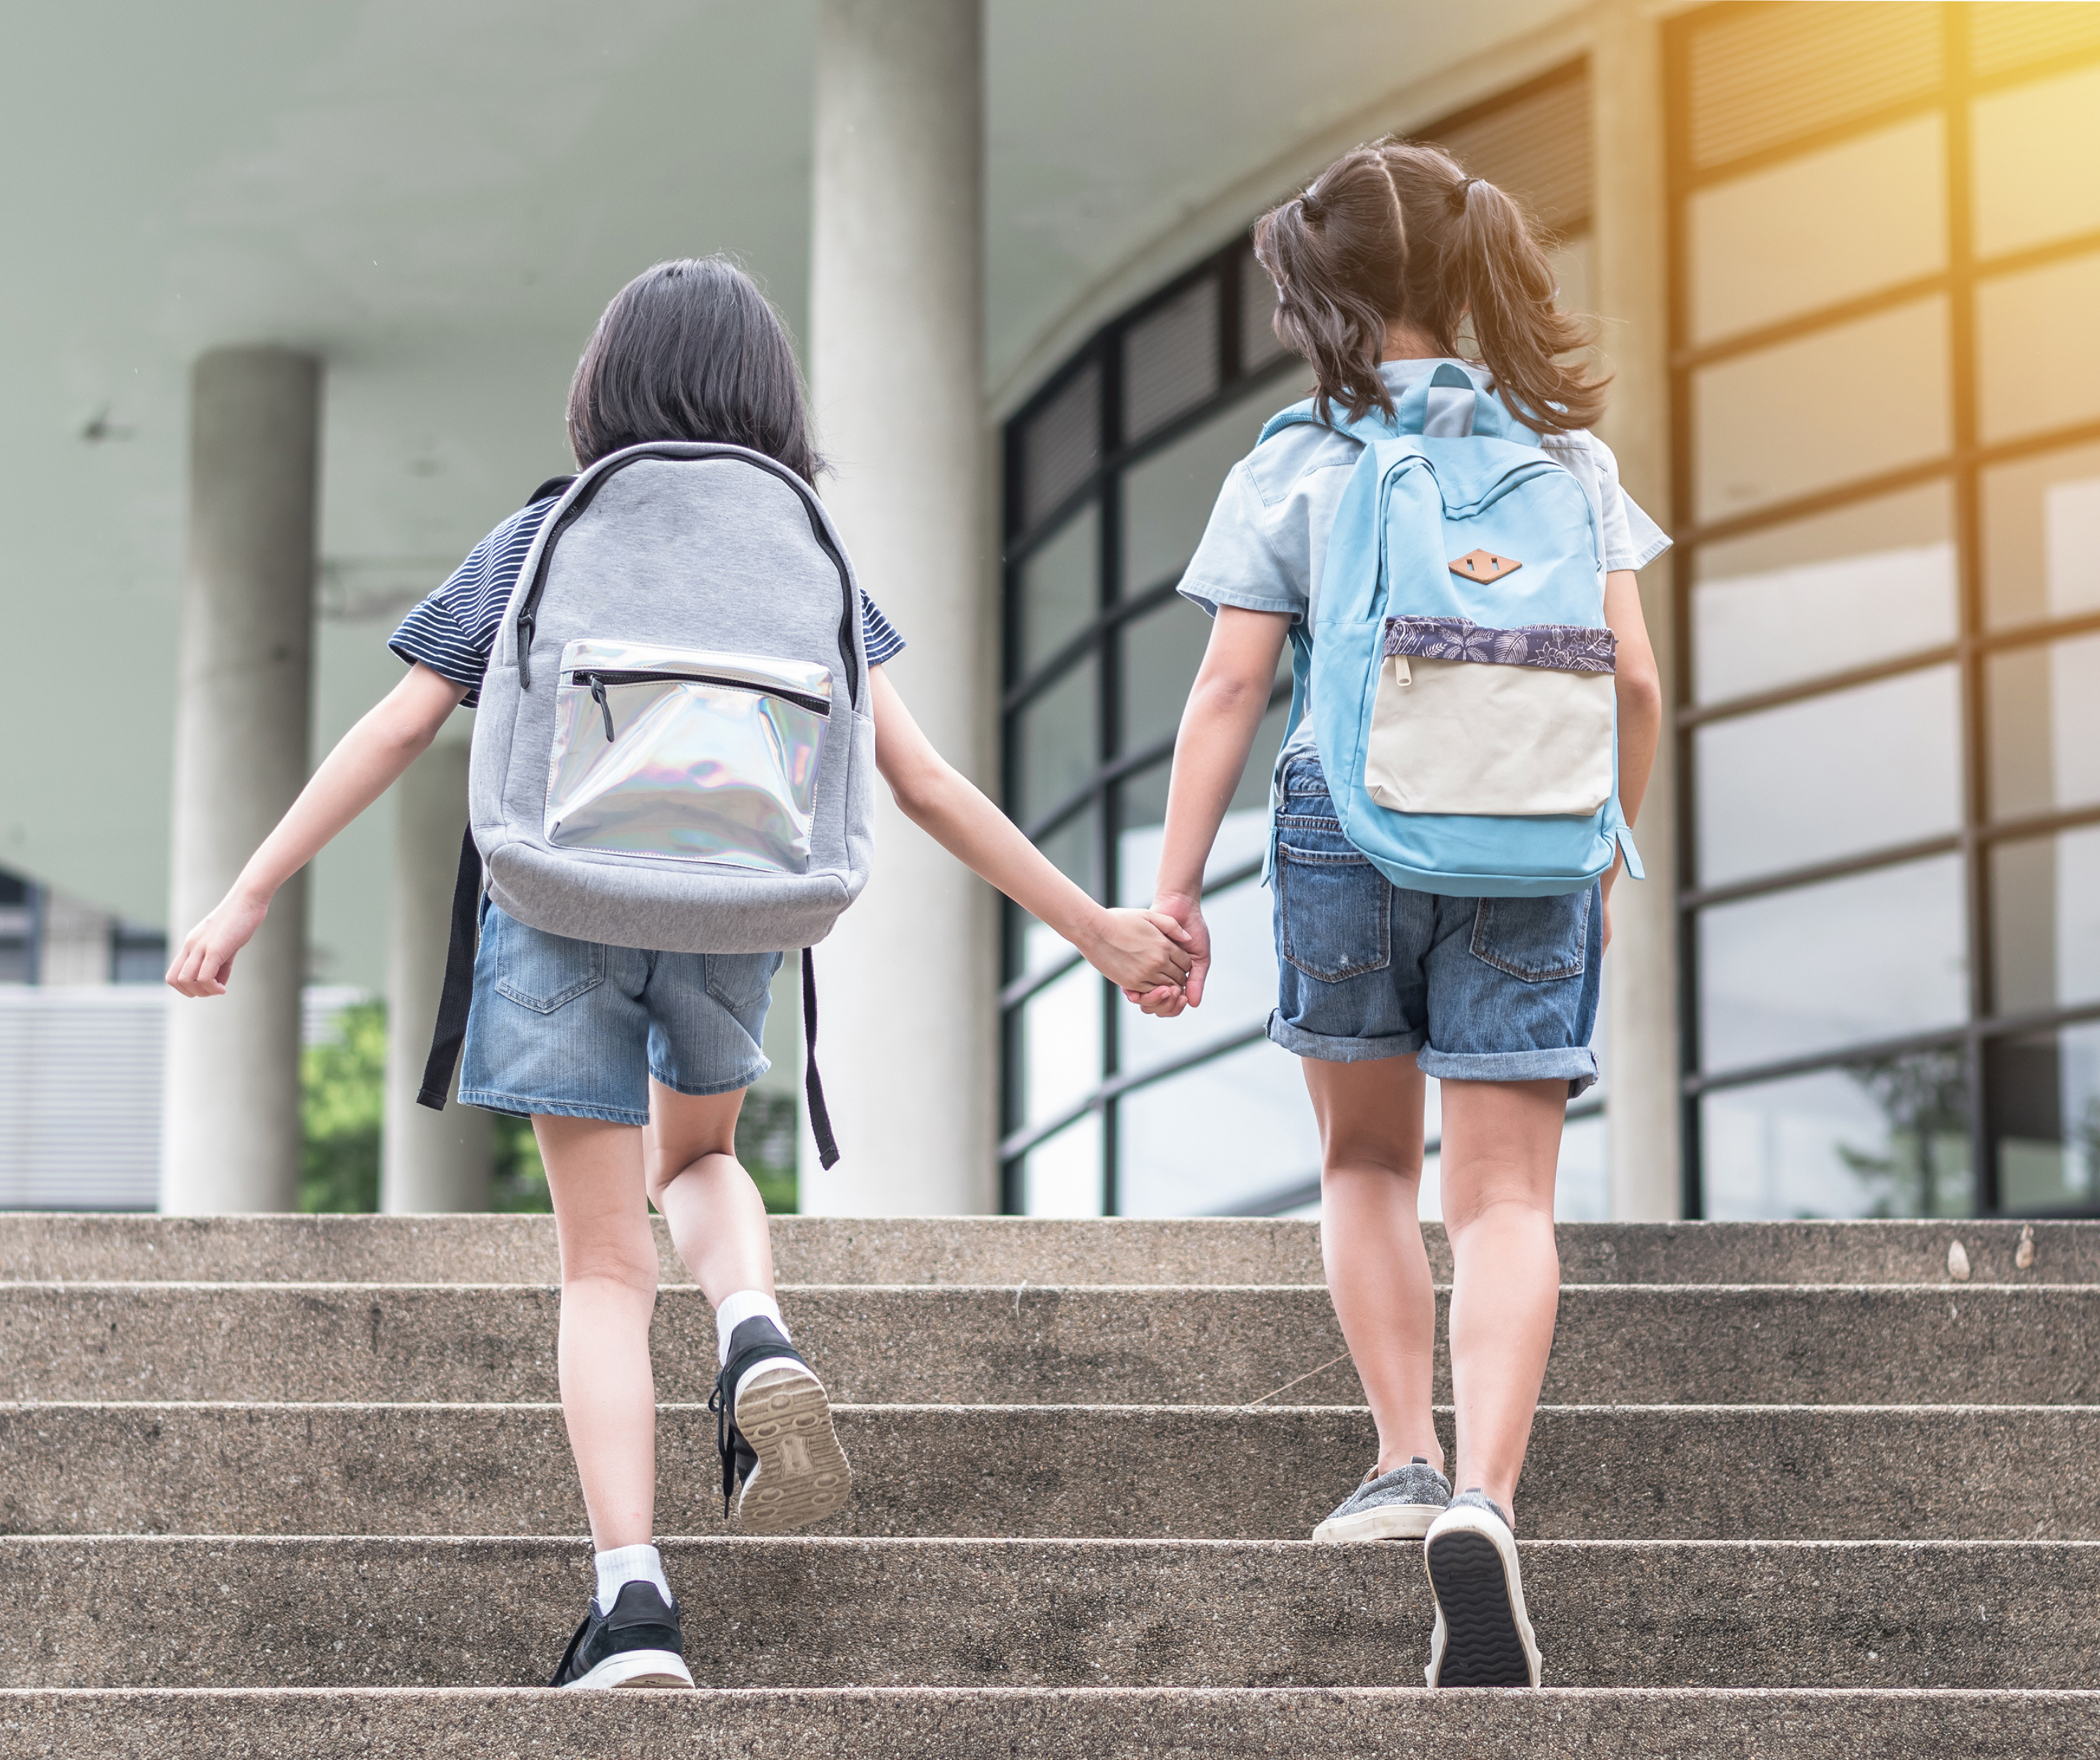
1268, 534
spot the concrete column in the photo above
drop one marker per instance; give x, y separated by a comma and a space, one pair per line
431, 1163
906, 982
229, 1135
1631, 292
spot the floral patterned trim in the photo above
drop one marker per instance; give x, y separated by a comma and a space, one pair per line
1562, 647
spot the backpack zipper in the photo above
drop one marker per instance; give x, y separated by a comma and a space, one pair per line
598, 679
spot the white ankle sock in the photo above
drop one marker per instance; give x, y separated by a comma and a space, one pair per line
623, 1565
745, 1304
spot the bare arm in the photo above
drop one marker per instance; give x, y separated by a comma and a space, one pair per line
1225, 706
392, 735
1136, 949
1640, 684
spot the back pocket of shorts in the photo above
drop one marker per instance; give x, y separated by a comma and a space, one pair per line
542, 971
1335, 913
1537, 940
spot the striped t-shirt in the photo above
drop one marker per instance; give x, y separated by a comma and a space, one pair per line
453, 631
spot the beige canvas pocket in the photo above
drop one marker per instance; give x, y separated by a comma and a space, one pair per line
1472, 737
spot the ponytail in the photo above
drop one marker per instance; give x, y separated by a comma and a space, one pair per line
1398, 233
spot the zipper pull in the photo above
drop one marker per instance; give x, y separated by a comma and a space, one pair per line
598, 697
525, 650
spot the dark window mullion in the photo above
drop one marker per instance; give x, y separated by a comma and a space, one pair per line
1968, 547
1108, 715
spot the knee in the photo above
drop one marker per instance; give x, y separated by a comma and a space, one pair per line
630, 1266
1370, 1158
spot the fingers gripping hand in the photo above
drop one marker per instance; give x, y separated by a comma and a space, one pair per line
1139, 950
206, 962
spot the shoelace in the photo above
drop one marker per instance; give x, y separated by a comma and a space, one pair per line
725, 1438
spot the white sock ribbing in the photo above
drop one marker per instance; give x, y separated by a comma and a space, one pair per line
744, 1305
625, 1564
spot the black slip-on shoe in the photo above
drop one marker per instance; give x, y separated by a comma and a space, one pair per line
636, 1644
1483, 1636
782, 1464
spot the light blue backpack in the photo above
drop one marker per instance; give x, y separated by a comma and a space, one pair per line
1462, 683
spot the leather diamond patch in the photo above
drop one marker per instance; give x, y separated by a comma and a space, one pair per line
1484, 565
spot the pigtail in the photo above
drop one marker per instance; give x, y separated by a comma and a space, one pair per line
1506, 283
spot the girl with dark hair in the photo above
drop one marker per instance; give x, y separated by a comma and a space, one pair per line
1379, 266
634, 1076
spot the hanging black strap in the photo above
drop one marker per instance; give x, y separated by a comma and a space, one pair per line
450, 1032
813, 1084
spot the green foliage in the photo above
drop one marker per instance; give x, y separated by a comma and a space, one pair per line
342, 1104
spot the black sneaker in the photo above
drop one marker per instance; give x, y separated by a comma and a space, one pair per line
1483, 1636
637, 1644
782, 1464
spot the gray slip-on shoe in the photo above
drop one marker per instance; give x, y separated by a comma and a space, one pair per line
1483, 1636
1395, 1506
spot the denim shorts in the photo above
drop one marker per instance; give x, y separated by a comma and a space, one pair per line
576, 1029
1500, 989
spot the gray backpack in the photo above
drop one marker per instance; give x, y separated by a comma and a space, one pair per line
675, 748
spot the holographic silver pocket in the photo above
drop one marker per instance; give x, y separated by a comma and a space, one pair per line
683, 754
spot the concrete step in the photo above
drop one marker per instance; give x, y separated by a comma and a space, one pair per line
1982, 1345
1134, 1472
804, 1612
1048, 1724
507, 1249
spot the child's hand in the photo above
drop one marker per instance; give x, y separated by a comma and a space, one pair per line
206, 960
1137, 949
1167, 1000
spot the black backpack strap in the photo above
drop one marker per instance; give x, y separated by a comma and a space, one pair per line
813, 1084
457, 995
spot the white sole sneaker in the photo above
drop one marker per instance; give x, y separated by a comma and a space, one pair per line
1388, 1521
802, 1475
637, 1668
1483, 1636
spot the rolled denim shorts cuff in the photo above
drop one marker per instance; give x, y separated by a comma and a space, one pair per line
701, 1090
1329, 1051
1577, 1065
523, 1105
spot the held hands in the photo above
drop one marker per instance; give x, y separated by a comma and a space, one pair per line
1166, 1000
206, 961
1137, 950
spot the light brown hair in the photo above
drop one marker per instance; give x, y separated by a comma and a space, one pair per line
1396, 233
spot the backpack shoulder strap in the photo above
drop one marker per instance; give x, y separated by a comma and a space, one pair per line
457, 995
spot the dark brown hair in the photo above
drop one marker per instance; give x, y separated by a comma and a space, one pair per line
691, 350
1396, 233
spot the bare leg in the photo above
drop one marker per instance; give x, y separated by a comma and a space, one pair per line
608, 1295
1377, 1270
1502, 1141
717, 1220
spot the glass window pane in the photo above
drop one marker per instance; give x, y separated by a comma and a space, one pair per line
1849, 401
1258, 343
2025, 142
2041, 537
1237, 995
1070, 849
2045, 1114
1168, 498
1059, 590
1058, 1046
2045, 912
1170, 360
1818, 229
1582, 1182
1883, 1139
1818, 596
1161, 652
1055, 738
1872, 955
1062, 1177
1062, 445
2037, 367
1229, 1135
2045, 709
1830, 777
1241, 835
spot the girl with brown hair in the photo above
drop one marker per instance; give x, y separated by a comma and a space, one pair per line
1380, 265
